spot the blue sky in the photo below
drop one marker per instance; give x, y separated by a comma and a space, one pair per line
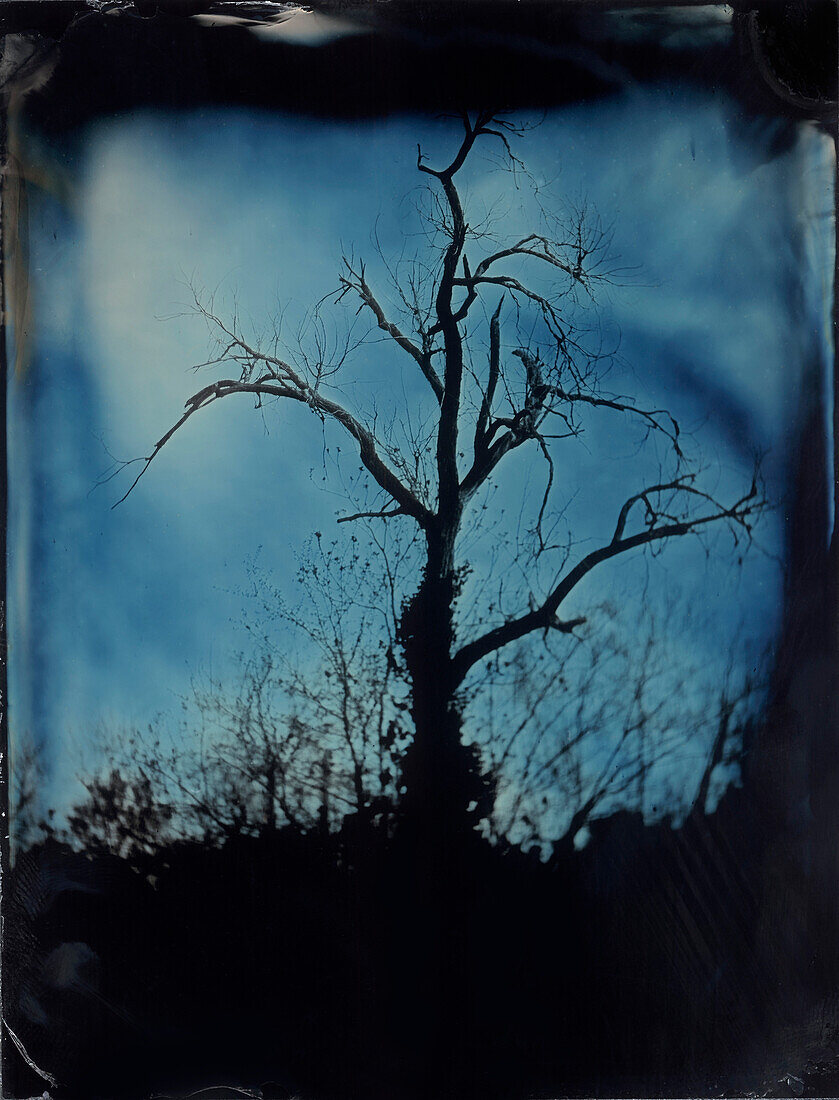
112, 610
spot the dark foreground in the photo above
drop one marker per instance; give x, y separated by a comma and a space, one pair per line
656, 961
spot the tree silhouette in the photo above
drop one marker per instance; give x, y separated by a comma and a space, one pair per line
309, 747
29, 822
622, 726
121, 814
503, 332
270, 751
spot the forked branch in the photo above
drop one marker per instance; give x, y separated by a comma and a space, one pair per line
285, 382
661, 523
354, 279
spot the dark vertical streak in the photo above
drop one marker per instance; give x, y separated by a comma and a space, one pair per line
4, 709
834, 555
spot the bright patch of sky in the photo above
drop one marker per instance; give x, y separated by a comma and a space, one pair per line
113, 610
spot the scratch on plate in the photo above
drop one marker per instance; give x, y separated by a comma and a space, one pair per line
48, 1077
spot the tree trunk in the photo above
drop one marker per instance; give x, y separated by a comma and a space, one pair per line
270, 824
444, 797
444, 789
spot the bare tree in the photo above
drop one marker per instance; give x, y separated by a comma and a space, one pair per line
340, 676
501, 334
234, 766
302, 737
29, 821
604, 724
569, 730
122, 814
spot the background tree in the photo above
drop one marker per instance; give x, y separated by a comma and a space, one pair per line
612, 722
504, 335
308, 739
27, 821
301, 737
122, 814
275, 749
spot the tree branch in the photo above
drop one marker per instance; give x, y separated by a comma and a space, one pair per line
447, 318
545, 617
388, 513
522, 426
300, 391
358, 283
481, 436
521, 248
448, 487
656, 418
715, 757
